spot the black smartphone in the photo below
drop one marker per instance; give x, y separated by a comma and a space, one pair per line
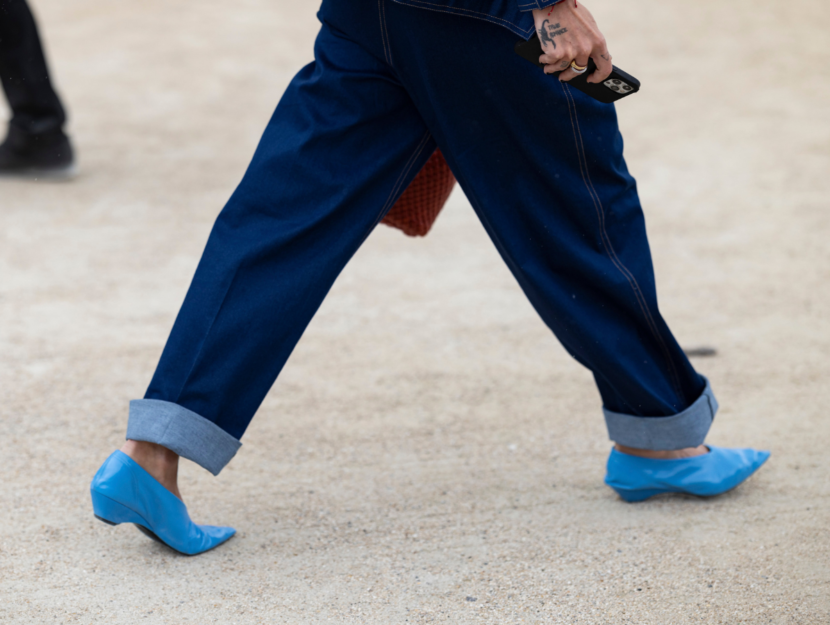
617, 86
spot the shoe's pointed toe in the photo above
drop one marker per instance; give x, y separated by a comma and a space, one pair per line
211, 536
123, 492
217, 533
759, 458
721, 470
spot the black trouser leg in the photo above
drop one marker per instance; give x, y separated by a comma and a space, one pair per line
36, 108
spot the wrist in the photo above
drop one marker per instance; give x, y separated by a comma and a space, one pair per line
550, 11
546, 6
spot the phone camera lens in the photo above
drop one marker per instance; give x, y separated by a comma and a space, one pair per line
626, 88
616, 82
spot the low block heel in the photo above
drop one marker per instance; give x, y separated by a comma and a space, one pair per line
633, 496
112, 512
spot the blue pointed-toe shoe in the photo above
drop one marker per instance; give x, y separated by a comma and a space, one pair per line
123, 492
722, 469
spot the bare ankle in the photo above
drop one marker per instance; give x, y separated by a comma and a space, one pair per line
667, 454
158, 461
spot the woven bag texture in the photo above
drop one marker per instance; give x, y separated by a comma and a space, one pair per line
418, 207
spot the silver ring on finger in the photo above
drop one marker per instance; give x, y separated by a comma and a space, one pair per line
576, 69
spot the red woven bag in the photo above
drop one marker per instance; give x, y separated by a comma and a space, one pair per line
418, 207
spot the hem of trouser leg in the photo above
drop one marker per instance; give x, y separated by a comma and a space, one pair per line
181, 430
685, 429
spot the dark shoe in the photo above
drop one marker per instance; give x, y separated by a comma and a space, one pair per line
47, 155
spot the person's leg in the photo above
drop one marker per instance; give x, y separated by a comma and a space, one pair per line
342, 145
35, 135
542, 165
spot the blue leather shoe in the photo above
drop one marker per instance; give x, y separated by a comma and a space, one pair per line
123, 492
722, 469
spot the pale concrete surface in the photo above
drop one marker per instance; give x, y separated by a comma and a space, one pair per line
430, 453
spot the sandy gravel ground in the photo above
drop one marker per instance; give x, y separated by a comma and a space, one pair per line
430, 453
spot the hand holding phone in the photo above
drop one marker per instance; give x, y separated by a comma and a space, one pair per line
617, 86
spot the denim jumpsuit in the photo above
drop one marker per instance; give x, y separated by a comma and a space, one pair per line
541, 163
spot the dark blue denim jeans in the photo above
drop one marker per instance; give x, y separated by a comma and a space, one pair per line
541, 164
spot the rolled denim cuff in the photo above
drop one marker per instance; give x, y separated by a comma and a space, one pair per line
685, 429
181, 430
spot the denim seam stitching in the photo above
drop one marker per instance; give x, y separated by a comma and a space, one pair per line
384, 34
386, 29
612, 254
399, 180
460, 11
402, 176
610, 248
